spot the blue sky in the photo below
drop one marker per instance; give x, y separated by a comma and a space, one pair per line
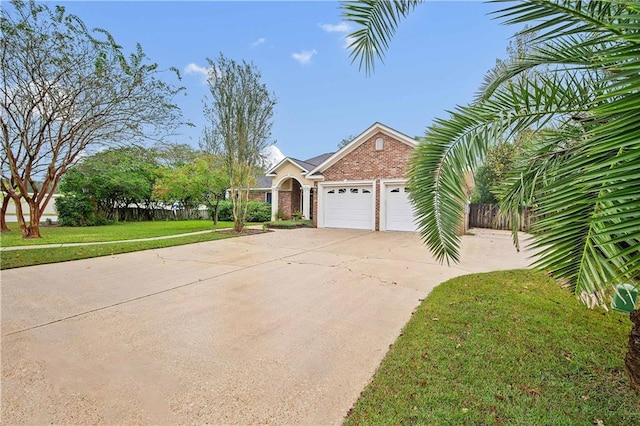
437, 59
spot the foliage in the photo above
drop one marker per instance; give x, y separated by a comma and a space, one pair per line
290, 224
66, 90
240, 112
225, 210
378, 21
578, 174
346, 141
75, 210
257, 211
502, 348
114, 179
498, 163
175, 154
201, 181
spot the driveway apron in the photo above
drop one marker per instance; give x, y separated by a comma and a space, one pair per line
285, 327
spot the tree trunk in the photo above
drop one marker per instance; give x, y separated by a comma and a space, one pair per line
215, 213
17, 201
3, 214
632, 360
33, 230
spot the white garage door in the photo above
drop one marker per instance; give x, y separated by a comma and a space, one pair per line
348, 207
399, 210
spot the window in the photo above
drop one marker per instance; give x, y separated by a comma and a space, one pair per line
395, 190
333, 191
354, 190
379, 144
342, 190
268, 197
366, 191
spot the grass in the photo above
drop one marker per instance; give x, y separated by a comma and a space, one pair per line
507, 348
115, 232
40, 256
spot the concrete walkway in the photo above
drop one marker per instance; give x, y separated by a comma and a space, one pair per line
285, 327
165, 237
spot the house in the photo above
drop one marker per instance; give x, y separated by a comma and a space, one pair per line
361, 186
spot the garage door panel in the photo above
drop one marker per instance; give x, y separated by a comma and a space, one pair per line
399, 210
348, 207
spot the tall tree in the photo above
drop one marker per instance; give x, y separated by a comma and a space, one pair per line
345, 141
580, 176
202, 181
63, 91
115, 179
174, 154
240, 112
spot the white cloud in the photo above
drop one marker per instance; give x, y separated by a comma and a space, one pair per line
194, 68
258, 42
342, 27
347, 42
305, 56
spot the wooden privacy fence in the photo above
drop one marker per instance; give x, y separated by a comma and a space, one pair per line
488, 216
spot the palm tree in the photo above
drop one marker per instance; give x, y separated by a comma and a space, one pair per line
582, 174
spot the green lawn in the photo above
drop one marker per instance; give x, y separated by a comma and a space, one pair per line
115, 232
509, 348
40, 256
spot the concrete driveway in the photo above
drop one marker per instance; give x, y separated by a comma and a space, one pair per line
285, 327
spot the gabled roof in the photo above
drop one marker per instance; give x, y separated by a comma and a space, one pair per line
303, 165
376, 127
319, 159
263, 182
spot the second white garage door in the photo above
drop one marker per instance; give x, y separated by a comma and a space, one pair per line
399, 210
348, 207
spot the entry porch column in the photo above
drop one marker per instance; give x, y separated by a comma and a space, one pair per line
306, 201
274, 202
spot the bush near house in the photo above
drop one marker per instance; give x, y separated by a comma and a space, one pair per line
257, 211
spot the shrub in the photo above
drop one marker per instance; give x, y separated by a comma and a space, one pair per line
75, 210
257, 211
225, 213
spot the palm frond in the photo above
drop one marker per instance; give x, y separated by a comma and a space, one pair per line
378, 21
457, 145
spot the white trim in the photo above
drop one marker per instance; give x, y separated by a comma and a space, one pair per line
279, 184
359, 140
272, 171
383, 199
346, 183
274, 202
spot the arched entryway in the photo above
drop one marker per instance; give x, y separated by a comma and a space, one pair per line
290, 198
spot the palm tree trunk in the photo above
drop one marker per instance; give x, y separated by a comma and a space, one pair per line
632, 360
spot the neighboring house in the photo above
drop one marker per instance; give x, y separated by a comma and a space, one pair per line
262, 190
49, 211
361, 186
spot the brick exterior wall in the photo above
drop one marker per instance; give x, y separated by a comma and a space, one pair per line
284, 204
289, 202
258, 196
365, 163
